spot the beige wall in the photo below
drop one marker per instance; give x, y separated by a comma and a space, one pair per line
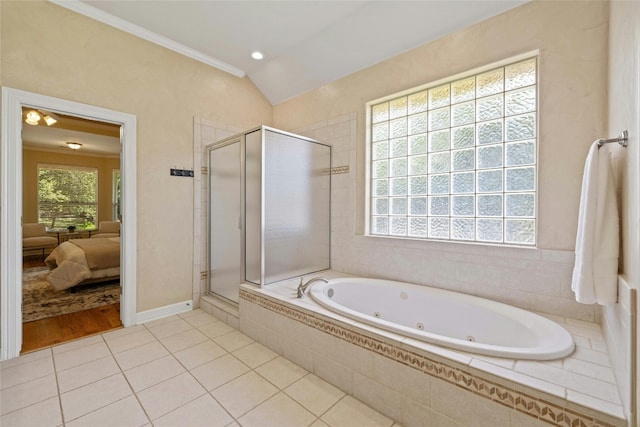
32, 158
624, 113
49, 50
572, 39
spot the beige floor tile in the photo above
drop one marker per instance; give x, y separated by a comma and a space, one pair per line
314, 394
219, 371
26, 394
82, 375
86, 399
140, 355
204, 411
27, 372
154, 372
280, 410
213, 330
200, 354
233, 340
123, 331
319, 423
162, 321
244, 393
80, 356
350, 412
184, 340
167, 329
25, 358
281, 372
43, 414
123, 342
255, 355
169, 395
198, 318
76, 344
125, 412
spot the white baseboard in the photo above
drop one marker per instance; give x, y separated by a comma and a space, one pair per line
160, 312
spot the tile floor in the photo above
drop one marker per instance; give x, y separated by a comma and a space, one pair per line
184, 370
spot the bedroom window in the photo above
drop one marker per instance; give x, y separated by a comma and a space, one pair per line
115, 192
456, 159
67, 195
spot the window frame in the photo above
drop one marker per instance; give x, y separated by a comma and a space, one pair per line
535, 54
94, 170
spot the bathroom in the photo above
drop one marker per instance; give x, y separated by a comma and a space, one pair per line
537, 279
588, 90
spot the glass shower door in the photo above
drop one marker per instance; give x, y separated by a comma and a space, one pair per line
225, 221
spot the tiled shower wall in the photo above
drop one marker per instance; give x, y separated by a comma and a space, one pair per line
534, 279
619, 331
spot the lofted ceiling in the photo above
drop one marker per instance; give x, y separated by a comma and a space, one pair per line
306, 43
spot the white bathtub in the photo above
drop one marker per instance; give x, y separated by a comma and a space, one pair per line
446, 318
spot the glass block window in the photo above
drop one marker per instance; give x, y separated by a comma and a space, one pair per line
457, 160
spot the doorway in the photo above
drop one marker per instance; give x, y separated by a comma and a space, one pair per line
11, 217
70, 191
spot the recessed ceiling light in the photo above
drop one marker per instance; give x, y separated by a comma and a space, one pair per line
257, 55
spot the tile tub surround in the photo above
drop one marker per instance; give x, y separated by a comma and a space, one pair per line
535, 279
380, 368
619, 331
188, 369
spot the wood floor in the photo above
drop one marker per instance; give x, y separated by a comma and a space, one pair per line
55, 330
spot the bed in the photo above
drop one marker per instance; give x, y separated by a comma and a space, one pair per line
82, 261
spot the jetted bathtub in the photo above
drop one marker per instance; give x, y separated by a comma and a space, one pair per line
446, 318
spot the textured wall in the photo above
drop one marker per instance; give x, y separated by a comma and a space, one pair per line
50, 50
572, 39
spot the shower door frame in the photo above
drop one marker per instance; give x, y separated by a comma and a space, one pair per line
236, 139
263, 130
241, 139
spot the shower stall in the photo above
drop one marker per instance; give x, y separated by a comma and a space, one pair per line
269, 209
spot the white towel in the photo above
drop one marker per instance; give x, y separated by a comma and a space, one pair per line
595, 274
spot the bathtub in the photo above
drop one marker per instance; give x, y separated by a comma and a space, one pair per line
446, 318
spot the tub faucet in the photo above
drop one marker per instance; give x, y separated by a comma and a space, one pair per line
302, 288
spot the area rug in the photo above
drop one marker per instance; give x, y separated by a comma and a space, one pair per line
40, 300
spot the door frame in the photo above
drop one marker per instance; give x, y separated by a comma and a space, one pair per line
11, 207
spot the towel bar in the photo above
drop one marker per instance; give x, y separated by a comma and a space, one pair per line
622, 139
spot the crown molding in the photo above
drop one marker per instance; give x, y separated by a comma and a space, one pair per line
101, 16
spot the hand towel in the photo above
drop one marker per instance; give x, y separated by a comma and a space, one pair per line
595, 274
